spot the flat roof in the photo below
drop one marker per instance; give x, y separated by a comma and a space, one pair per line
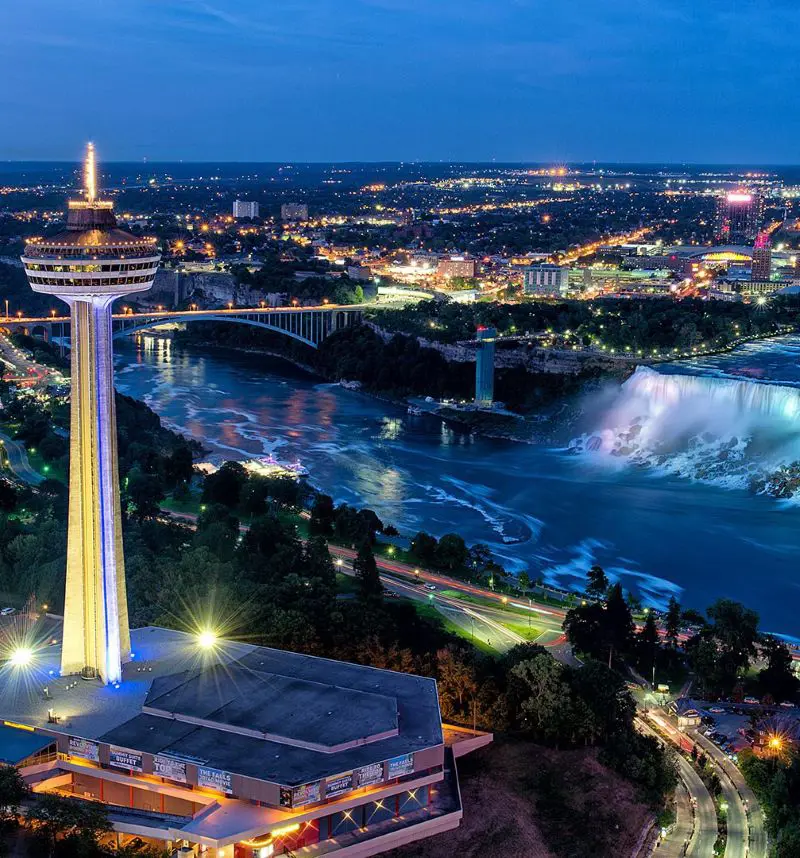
268, 714
16, 745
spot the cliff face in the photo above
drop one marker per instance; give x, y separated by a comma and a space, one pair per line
216, 287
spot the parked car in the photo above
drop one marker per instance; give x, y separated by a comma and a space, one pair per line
7, 612
752, 700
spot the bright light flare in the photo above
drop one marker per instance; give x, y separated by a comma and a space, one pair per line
207, 639
21, 657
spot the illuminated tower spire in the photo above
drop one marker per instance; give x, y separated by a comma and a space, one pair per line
90, 174
88, 266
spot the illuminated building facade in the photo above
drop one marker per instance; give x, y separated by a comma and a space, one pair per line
88, 266
762, 258
456, 266
739, 216
238, 751
245, 208
484, 367
546, 280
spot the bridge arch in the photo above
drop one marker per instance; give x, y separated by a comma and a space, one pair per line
309, 327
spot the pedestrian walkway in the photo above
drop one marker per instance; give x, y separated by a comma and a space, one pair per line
675, 844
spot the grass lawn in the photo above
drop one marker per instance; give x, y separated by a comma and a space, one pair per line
530, 633
430, 612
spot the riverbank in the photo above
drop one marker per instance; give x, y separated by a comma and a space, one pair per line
538, 426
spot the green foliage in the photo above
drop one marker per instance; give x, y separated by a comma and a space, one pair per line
601, 631
225, 485
77, 824
366, 572
722, 650
12, 791
597, 582
777, 677
672, 622
660, 323
776, 784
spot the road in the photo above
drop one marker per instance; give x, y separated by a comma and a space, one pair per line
703, 831
748, 814
17, 461
479, 620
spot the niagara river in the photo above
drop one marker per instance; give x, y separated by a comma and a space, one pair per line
655, 484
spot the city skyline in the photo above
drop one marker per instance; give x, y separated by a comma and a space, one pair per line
515, 82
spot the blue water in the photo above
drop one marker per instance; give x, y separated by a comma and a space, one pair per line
661, 529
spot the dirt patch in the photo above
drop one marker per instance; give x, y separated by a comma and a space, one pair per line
525, 801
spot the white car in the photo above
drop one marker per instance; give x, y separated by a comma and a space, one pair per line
7, 612
787, 705
430, 586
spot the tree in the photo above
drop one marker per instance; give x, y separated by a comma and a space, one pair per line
647, 643
321, 521
54, 816
366, 572
524, 581
597, 582
672, 622
456, 681
777, 677
145, 492
451, 552
423, 547
13, 790
225, 485
619, 620
548, 707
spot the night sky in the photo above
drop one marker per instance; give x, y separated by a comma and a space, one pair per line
319, 80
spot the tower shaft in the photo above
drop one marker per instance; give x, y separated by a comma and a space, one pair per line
96, 637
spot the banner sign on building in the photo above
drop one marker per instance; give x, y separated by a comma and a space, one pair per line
124, 759
368, 775
84, 748
339, 785
300, 795
215, 779
169, 767
399, 766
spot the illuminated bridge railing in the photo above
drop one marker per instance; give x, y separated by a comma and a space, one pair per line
309, 325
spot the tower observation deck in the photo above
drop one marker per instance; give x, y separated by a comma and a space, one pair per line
88, 266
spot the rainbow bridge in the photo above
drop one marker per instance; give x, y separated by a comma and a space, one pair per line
308, 325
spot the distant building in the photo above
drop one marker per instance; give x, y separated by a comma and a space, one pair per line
484, 367
739, 215
294, 211
456, 266
546, 280
762, 258
245, 208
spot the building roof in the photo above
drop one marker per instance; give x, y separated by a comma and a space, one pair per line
16, 744
264, 713
91, 239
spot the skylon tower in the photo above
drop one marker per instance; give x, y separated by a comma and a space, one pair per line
88, 266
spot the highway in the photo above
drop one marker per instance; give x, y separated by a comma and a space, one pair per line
409, 582
703, 826
748, 814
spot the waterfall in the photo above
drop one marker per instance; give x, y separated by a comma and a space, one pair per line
722, 430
